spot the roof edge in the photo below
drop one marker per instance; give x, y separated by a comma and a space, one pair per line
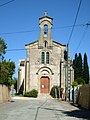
31, 43
45, 17
53, 41
59, 43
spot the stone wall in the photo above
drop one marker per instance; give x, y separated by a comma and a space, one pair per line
4, 93
84, 96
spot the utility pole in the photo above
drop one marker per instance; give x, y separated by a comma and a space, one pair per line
68, 82
68, 79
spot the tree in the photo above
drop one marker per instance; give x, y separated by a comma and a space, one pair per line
7, 68
80, 81
3, 72
3, 47
75, 66
11, 71
85, 69
79, 66
6, 72
81, 69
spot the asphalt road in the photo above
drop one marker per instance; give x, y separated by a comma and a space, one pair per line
41, 109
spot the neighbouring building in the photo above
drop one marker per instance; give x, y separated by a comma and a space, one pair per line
44, 66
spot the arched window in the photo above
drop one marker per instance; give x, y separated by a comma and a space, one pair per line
43, 57
45, 30
46, 44
47, 57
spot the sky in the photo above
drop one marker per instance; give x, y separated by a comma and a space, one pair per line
19, 25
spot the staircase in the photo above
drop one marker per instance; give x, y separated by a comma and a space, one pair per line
44, 96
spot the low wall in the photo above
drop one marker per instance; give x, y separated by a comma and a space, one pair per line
84, 96
4, 93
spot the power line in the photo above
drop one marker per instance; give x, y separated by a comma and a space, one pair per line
6, 3
68, 79
6, 33
20, 49
15, 49
75, 21
83, 35
82, 38
69, 26
28, 31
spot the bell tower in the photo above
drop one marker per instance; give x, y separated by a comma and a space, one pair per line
45, 24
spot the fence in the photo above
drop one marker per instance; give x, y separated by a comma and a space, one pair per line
74, 93
4, 93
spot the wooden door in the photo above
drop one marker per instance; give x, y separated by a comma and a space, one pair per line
44, 85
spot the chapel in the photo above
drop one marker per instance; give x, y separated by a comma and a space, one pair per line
44, 65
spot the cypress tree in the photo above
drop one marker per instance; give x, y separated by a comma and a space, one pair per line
85, 70
75, 66
78, 74
79, 65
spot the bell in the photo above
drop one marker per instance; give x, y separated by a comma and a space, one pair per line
45, 32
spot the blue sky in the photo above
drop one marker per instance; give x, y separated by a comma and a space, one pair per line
23, 15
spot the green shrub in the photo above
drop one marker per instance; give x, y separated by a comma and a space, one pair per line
32, 93
80, 81
16, 94
53, 94
74, 83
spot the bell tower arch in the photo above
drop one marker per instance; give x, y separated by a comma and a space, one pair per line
45, 24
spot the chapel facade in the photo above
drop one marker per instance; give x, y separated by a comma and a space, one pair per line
44, 66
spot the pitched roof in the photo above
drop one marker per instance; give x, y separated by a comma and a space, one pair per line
45, 17
59, 43
37, 41
31, 43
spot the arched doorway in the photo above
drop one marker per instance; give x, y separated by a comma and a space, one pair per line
44, 85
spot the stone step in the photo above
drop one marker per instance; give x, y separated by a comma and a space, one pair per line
45, 96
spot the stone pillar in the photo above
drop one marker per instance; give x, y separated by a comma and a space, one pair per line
41, 37
18, 81
49, 37
27, 71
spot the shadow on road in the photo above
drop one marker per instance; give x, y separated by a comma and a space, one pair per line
80, 113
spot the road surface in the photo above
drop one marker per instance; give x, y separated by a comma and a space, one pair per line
21, 108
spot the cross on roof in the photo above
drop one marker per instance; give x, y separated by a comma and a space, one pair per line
45, 13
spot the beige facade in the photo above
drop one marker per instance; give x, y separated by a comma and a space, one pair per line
21, 77
44, 66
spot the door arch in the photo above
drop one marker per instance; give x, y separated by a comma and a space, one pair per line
44, 85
